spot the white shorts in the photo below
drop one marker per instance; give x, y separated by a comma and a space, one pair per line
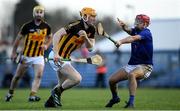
146, 68
57, 66
32, 60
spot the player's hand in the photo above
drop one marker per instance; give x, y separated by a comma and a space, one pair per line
13, 56
118, 43
44, 47
121, 23
57, 58
83, 34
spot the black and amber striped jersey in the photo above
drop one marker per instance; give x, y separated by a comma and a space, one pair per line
34, 37
72, 41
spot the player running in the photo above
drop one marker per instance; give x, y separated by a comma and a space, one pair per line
37, 37
65, 41
140, 63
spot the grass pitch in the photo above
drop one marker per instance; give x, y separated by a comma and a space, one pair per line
95, 99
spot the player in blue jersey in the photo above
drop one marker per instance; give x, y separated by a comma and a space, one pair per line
140, 64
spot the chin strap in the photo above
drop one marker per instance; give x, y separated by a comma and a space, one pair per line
87, 16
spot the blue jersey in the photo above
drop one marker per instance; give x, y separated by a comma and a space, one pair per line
142, 50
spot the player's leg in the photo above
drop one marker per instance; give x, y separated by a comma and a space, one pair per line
137, 73
38, 72
61, 78
55, 98
73, 76
113, 80
21, 68
68, 77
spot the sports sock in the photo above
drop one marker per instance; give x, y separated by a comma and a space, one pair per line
59, 90
131, 99
11, 91
32, 93
114, 95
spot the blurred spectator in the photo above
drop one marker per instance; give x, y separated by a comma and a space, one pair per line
3, 55
26, 80
3, 52
84, 52
8, 75
118, 54
101, 71
179, 56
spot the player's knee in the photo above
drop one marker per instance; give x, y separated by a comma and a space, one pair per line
38, 75
16, 78
131, 76
111, 81
77, 80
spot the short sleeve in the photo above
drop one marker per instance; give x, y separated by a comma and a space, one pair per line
48, 30
72, 27
133, 31
92, 31
24, 29
145, 34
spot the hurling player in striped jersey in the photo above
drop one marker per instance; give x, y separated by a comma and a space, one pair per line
36, 36
65, 41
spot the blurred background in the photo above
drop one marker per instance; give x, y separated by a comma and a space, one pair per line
165, 27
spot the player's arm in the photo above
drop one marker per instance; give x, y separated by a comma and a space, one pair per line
129, 39
15, 45
48, 41
124, 26
56, 38
89, 42
92, 42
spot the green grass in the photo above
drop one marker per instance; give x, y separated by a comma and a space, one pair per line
95, 99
